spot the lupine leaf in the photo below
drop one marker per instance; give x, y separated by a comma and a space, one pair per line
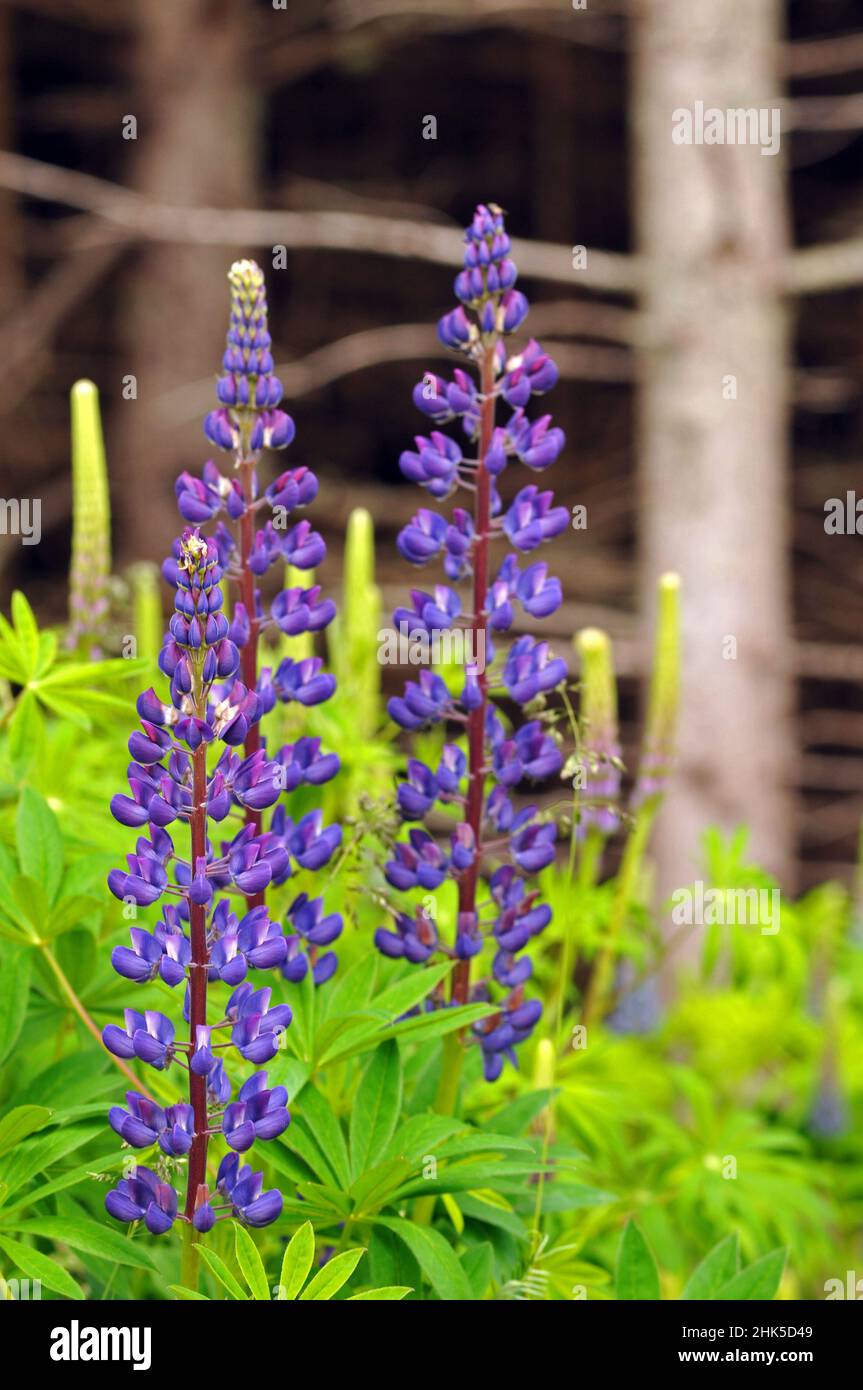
27, 633
391, 1294
758, 1281
222, 1273
23, 1120
297, 1262
38, 1155
40, 842
330, 1279
435, 1256
636, 1276
187, 1295
251, 1264
479, 1267
316, 1115
38, 1266
376, 1108
717, 1267
90, 1236
15, 967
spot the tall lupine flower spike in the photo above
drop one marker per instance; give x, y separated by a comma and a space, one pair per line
216, 701
492, 840
90, 570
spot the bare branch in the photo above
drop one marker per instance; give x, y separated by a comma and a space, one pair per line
823, 57
327, 230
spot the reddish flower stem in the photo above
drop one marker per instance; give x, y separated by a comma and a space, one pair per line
198, 983
476, 719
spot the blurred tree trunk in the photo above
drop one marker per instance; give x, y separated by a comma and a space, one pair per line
10, 247
714, 382
197, 141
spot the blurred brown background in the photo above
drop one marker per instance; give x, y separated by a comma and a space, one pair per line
259, 125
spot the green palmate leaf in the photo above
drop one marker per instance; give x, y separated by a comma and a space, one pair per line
40, 842
376, 1108
38, 1266
392, 1294
297, 1262
636, 1276
23, 1120
187, 1295
251, 1264
715, 1269
435, 1256
376, 1186
90, 1236
218, 1267
15, 968
759, 1281
330, 1279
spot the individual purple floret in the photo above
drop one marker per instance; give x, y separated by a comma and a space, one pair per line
492, 839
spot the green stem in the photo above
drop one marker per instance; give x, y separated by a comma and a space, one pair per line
627, 879
189, 1261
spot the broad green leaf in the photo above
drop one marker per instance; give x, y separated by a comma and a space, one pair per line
297, 1262
40, 842
187, 1295
435, 1256
392, 1294
251, 1264
90, 1236
636, 1276
376, 1108
38, 1266
15, 967
218, 1267
717, 1267
23, 1120
330, 1279
758, 1281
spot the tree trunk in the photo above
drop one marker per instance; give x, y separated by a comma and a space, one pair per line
197, 143
713, 398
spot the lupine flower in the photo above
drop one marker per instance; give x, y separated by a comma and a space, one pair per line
492, 839
198, 756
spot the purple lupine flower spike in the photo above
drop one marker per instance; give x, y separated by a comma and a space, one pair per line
198, 756
490, 830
